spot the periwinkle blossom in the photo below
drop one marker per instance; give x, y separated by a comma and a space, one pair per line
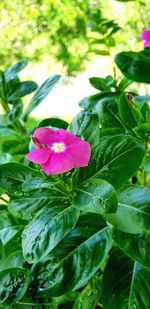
145, 36
58, 151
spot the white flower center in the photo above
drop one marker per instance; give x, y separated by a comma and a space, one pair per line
58, 147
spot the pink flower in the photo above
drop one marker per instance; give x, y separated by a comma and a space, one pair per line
58, 151
145, 35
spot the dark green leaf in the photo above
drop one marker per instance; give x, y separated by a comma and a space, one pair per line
136, 246
129, 111
82, 126
13, 174
133, 213
75, 260
97, 196
46, 230
135, 66
126, 284
8, 227
37, 183
54, 123
13, 260
109, 159
13, 284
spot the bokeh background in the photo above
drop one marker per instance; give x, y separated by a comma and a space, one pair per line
75, 38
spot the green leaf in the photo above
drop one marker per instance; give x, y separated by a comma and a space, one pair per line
13, 260
133, 213
89, 297
41, 93
26, 205
37, 183
15, 69
107, 109
126, 284
8, 227
48, 228
97, 196
54, 123
22, 89
134, 65
143, 131
129, 111
98, 83
135, 246
13, 174
82, 126
100, 52
75, 260
110, 157
13, 285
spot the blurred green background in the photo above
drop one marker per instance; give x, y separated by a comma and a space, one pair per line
69, 37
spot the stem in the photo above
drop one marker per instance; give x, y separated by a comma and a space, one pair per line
17, 121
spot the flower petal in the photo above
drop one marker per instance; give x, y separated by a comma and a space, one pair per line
46, 136
39, 156
145, 35
79, 152
147, 43
58, 163
67, 137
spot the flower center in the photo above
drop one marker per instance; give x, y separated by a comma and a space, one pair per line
58, 147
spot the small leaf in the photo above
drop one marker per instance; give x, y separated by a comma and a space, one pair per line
15, 69
54, 123
22, 89
41, 93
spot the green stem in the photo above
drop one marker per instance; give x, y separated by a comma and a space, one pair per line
17, 122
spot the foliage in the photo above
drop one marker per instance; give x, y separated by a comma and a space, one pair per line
79, 239
68, 32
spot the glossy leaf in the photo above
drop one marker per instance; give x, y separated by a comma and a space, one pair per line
133, 213
109, 159
37, 183
41, 93
25, 205
126, 284
13, 260
13, 174
97, 196
134, 65
8, 227
129, 111
15, 69
82, 126
13, 285
46, 230
53, 123
75, 260
135, 246
90, 295
22, 89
